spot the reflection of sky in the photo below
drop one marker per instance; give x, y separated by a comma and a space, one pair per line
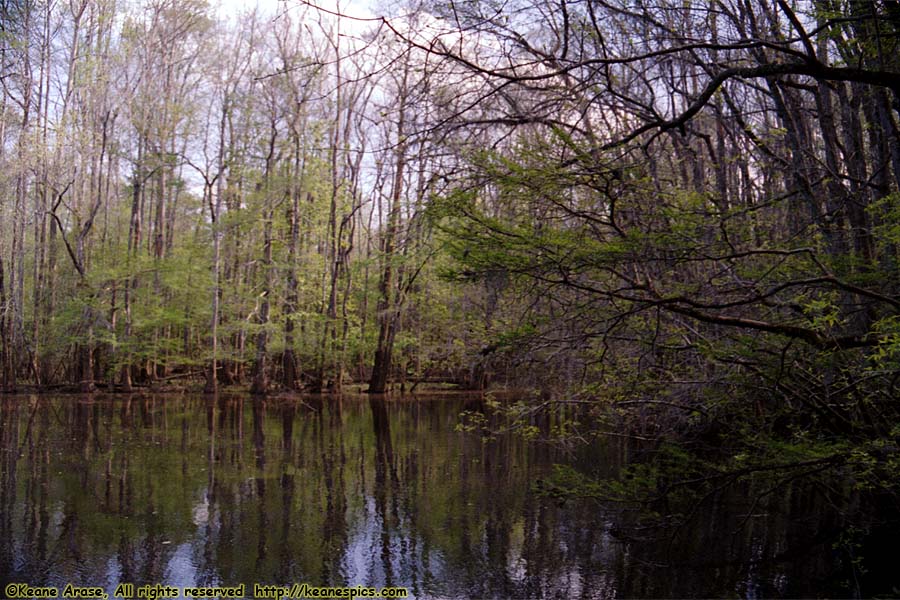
181, 570
361, 564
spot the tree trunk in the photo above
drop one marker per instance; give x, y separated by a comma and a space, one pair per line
7, 377
260, 383
290, 374
215, 212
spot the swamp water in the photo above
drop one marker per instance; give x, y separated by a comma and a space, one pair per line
192, 491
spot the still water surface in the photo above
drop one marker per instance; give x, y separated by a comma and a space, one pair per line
191, 490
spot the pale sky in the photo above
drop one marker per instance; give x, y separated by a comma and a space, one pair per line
356, 8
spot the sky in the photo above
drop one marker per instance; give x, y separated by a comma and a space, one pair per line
356, 8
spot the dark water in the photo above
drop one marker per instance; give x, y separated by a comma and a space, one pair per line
190, 490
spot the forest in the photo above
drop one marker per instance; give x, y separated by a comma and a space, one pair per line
676, 221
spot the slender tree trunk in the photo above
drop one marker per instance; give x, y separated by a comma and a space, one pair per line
7, 379
40, 211
260, 383
215, 214
290, 374
134, 242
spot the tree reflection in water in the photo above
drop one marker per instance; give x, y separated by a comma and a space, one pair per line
347, 491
